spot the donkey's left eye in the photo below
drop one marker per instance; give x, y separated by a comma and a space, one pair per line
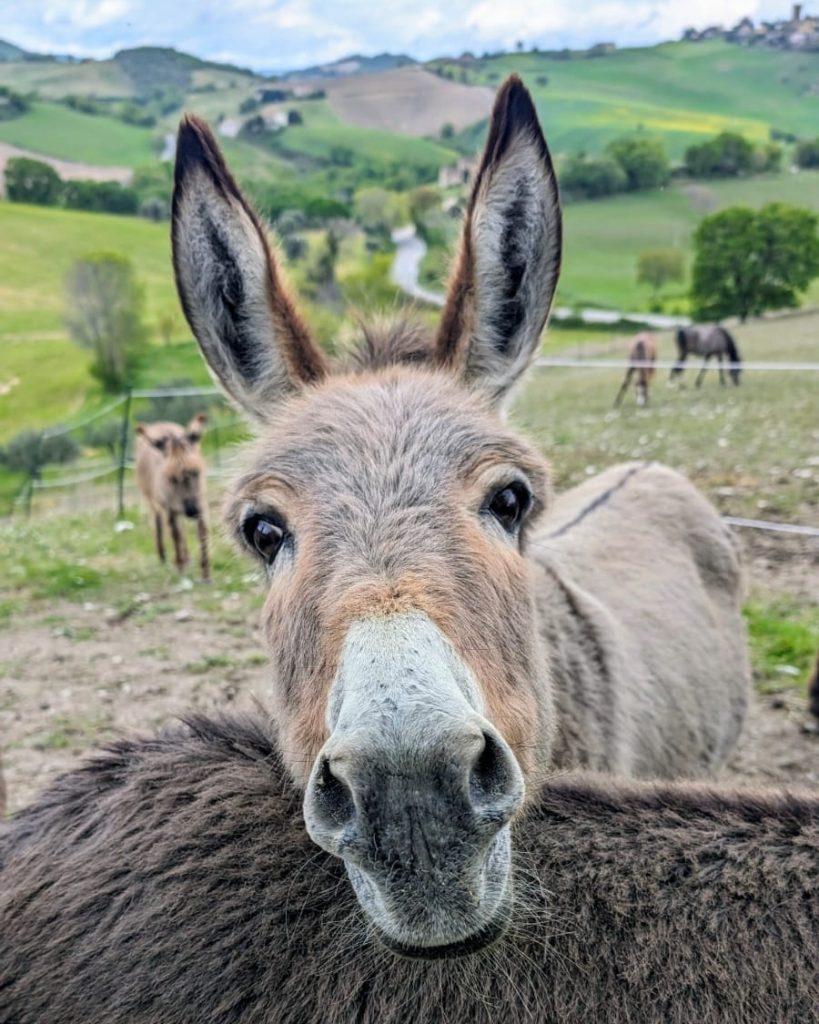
510, 504
265, 536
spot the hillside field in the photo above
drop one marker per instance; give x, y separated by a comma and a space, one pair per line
683, 92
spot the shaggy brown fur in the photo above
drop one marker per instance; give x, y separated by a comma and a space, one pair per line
170, 473
813, 690
170, 881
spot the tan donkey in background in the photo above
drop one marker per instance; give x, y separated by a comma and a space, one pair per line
444, 633
170, 472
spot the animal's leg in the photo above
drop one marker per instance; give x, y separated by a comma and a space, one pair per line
179, 546
623, 386
721, 373
701, 374
677, 368
204, 554
159, 536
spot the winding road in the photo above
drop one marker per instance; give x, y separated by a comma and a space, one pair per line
410, 250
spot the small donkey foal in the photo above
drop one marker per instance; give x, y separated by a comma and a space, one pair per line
170, 472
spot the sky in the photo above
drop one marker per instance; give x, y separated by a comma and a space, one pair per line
277, 35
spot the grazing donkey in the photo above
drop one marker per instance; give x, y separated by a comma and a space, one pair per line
442, 632
642, 350
707, 342
170, 473
171, 881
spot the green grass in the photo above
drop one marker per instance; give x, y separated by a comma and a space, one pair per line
784, 639
57, 131
603, 238
684, 92
55, 79
39, 244
749, 447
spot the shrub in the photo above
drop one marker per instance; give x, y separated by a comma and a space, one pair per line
176, 408
30, 449
643, 160
807, 153
154, 209
657, 267
32, 181
12, 104
582, 178
726, 156
99, 196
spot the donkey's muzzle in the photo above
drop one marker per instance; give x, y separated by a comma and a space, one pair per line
415, 789
191, 509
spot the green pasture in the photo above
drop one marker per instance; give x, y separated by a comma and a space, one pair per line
684, 92
58, 131
55, 79
603, 238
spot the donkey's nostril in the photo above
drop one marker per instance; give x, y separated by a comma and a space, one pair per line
494, 781
333, 801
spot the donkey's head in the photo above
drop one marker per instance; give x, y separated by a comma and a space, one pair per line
389, 506
179, 484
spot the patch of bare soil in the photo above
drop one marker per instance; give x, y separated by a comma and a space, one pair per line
65, 688
85, 675
66, 169
407, 100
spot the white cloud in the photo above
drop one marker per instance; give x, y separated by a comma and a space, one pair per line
85, 14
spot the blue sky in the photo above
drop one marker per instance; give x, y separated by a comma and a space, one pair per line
281, 34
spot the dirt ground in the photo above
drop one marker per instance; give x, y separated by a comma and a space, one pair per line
87, 673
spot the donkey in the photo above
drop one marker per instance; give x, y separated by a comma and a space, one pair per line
707, 342
441, 631
642, 350
170, 473
171, 881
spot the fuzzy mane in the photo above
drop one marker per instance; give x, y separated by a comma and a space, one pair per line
387, 342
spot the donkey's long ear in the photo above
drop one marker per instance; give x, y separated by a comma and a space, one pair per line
505, 276
250, 334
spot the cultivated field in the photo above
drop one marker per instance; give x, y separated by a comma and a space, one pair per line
98, 639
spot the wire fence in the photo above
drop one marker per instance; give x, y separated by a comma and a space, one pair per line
114, 425
222, 433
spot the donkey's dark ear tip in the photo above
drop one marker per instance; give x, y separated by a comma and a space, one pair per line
191, 144
514, 103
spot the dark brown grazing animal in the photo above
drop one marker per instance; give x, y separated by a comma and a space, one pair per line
171, 881
442, 631
813, 690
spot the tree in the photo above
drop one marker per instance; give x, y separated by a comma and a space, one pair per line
726, 156
167, 323
807, 153
644, 161
749, 261
32, 181
591, 179
448, 130
104, 314
657, 267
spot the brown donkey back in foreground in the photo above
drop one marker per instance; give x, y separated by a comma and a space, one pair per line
642, 350
170, 472
442, 631
171, 881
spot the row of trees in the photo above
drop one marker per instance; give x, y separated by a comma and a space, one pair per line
629, 164
639, 162
36, 182
731, 155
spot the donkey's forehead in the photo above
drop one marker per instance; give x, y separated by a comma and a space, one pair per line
391, 421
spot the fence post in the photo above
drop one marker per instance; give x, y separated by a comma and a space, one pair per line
123, 451
35, 471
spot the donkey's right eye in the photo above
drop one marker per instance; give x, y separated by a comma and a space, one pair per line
264, 535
